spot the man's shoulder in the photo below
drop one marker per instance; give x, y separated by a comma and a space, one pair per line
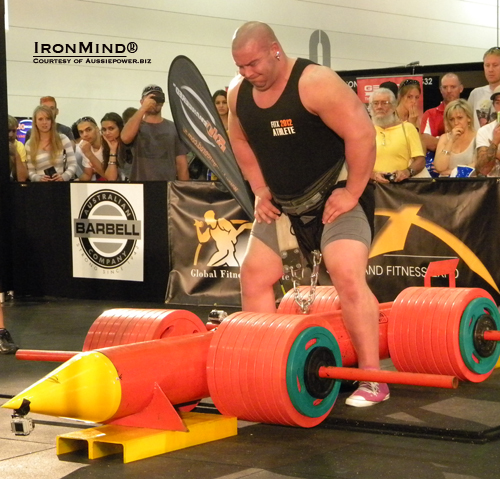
437, 109
480, 91
66, 130
486, 129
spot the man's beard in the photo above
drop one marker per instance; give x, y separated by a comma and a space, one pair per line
386, 121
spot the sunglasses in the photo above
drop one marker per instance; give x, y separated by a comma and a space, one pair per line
409, 81
86, 118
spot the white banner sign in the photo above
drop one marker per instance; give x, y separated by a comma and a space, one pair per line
107, 231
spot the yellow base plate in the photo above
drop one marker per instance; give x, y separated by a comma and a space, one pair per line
139, 443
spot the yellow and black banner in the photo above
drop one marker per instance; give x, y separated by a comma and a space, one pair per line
208, 234
421, 221
416, 222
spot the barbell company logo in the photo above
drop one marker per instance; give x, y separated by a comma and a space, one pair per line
108, 235
86, 52
392, 237
108, 229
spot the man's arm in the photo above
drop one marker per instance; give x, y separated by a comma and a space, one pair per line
324, 93
181, 164
487, 150
247, 161
131, 128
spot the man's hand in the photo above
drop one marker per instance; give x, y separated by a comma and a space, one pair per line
401, 175
496, 135
85, 147
380, 177
149, 104
340, 201
264, 208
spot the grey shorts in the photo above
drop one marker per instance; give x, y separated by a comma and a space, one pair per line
352, 225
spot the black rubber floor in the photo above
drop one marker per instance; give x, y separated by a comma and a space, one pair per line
401, 438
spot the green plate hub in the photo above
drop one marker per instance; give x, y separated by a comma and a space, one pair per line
472, 317
303, 346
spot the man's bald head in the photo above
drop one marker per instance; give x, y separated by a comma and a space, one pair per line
257, 32
451, 87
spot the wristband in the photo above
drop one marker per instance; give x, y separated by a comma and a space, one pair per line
411, 171
111, 163
111, 154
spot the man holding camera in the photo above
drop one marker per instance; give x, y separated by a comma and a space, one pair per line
399, 150
159, 154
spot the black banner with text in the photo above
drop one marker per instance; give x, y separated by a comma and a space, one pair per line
417, 222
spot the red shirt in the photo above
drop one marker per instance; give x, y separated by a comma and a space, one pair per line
435, 118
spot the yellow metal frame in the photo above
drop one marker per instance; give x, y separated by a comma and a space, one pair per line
139, 443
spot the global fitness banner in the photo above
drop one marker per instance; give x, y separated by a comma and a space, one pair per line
417, 222
107, 231
208, 234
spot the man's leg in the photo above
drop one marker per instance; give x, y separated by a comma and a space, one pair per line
346, 261
261, 268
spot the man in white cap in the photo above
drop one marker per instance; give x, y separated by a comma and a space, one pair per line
487, 142
158, 152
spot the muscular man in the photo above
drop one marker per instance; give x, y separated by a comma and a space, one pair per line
294, 125
158, 153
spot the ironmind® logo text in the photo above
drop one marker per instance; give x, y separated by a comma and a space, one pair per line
86, 52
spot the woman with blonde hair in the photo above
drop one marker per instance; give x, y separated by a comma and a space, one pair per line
408, 102
457, 147
50, 155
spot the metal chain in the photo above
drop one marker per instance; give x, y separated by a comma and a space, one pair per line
305, 302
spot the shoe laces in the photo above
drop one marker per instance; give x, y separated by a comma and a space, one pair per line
369, 387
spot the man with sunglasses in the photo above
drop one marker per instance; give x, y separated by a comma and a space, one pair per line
158, 152
480, 98
306, 144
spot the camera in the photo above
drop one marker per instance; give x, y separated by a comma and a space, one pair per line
21, 426
158, 97
390, 176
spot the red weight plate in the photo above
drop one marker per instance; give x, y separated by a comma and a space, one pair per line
258, 362
398, 325
409, 335
295, 327
258, 366
233, 369
427, 321
440, 331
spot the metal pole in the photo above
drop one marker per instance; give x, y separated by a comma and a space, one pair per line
414, 379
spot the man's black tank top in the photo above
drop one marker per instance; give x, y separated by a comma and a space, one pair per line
294, 147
